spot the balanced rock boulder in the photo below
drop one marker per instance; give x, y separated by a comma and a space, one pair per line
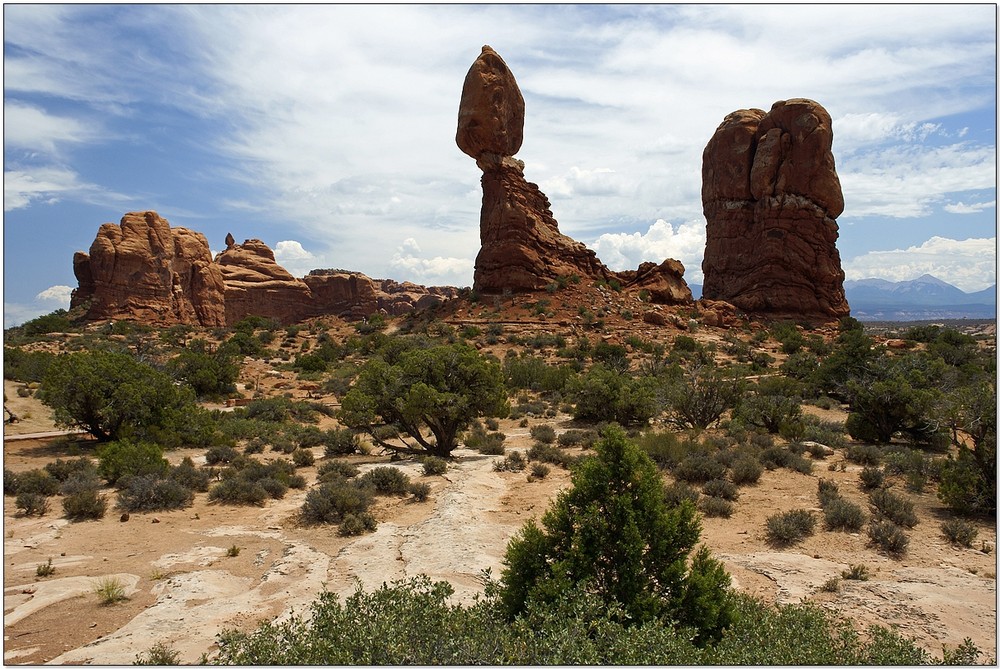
142, 269
522, 249
771, 197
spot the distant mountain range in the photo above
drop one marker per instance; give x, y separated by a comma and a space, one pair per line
923, 298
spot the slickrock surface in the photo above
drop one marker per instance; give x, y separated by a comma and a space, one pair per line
771, 197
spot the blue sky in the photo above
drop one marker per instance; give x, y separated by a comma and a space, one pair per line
328, 131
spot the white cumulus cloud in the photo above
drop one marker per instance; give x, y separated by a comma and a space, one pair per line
55, 294
969, 264
439, 270
291, 255
686, 243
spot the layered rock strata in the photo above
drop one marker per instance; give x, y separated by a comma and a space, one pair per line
771, 197
144, 270
522, 248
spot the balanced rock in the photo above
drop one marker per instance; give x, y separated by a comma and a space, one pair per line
522, 249
771, 196
491, 114
142, 269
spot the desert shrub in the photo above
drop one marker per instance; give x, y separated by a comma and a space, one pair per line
545, 434
303, 457
296, 481
338, 468
284, 444
888, 504
871, 478
664, 448
745, 470
61, 470
678, 492
888, 537
606, 394
784, 529
514, 462
253, 447
492, 423
109, 590
340, 442
584, 438
856, 572
332, 502
190, 476
551, 455
826, 492
419, 490
386, 481
831, 585
37, 481
153, 493
844, 515
959, 531
274, 488
968, 485
486, 443
824, 432
699, 469
799, 464
120, 459
31, 503
716, 507
774, 457
10, 482
770, 412
864, 454
85, 503
539, 470
160, 654
699, 397
721, 488
220, 454
354, 524
238, 491
818, 451
434, 466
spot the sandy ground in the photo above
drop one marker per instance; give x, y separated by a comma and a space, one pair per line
184, 589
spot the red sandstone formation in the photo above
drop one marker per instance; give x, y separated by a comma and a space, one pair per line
145, 270
522, 248
142, 269
771, 197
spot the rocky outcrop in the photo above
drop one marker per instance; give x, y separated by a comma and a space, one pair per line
522, 248
771, 196
142, 269
257, 285
663, 283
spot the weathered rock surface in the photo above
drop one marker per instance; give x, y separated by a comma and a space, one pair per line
257, 285
771, 196
522, 249
143, 269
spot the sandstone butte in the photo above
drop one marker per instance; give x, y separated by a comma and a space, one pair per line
142, 269
771, 197
522, 249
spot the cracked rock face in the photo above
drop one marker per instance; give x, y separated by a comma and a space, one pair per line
771, 196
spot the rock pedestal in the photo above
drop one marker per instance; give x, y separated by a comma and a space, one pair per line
771, 196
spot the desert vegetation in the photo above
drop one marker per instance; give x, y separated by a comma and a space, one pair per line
702, 426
